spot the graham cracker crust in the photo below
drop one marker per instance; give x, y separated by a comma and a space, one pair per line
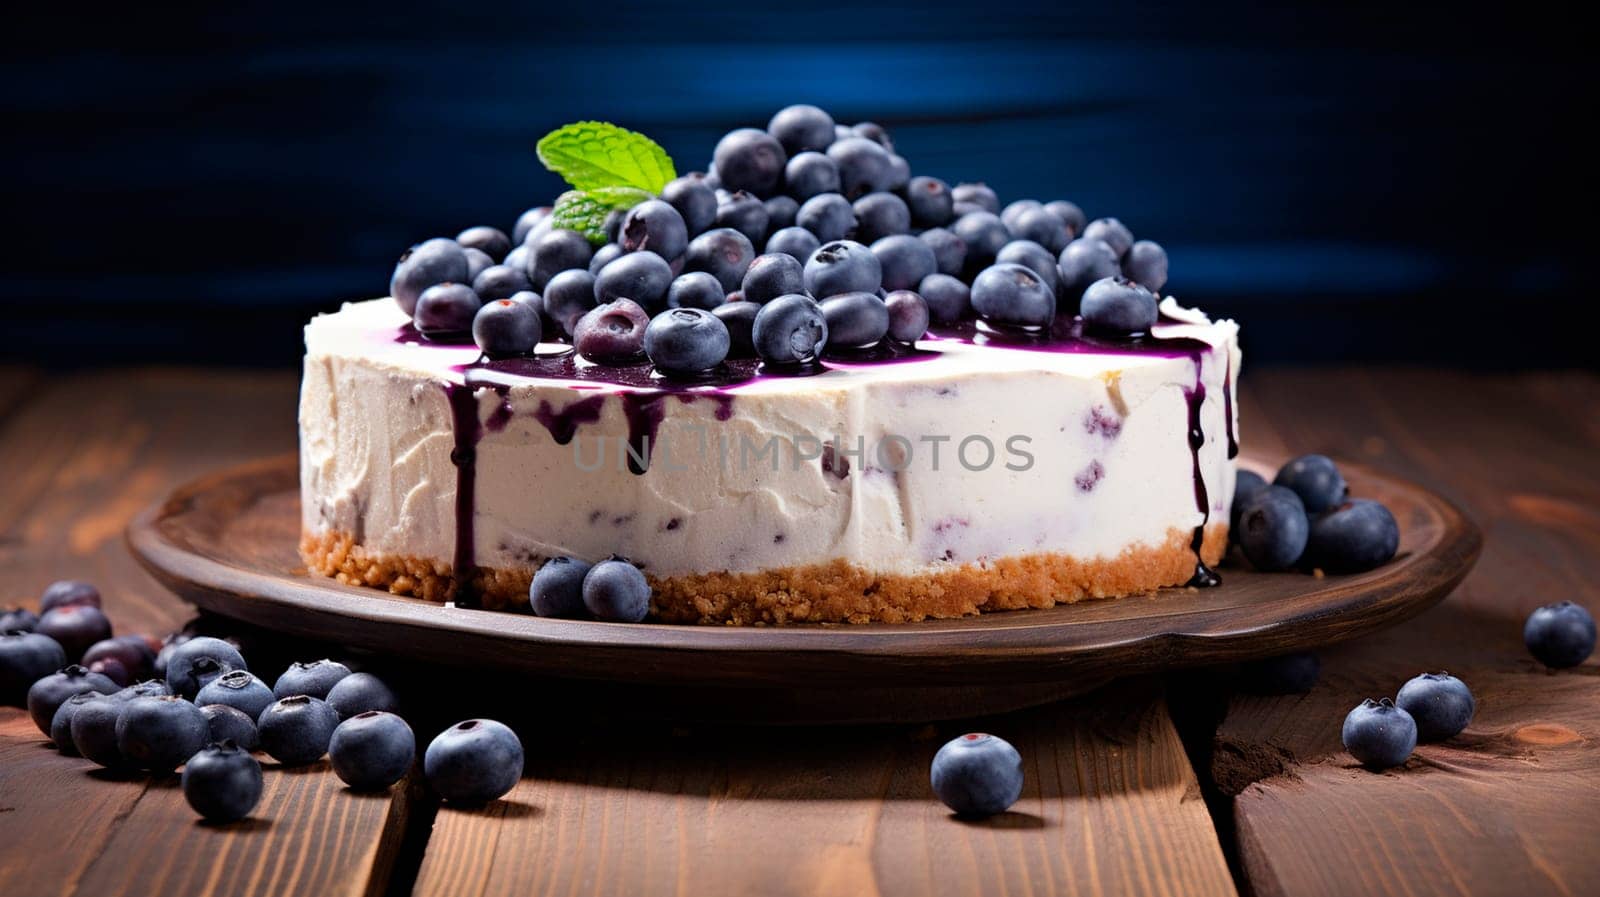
835, 592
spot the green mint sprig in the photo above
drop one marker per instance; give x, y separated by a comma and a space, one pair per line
609, 168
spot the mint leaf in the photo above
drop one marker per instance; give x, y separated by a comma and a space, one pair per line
596, 154
585, 210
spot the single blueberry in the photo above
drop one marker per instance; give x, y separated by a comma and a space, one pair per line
1316, 479
1560, 635
655, 226
1069, 213
1119, 306
905, 260
984, 235
855, 320
899, 174
124, 658
1084, 262
526, 222
428, 263
842, 266
949, 250
930, 202
781, 212
1146, 263
473, 762
1044, 227
1379, 735
772, 275
500, 282
874, 132
360, 692
1354, 537
1246, 484
795, 241
224, 723
789, 330
740, 319
26, 657
686, 340
643, 277
373, 750
697, 289
948, 298
569, 296
977, 194
801, 127
557, 587
1286, 674
48, 693
1439, 703
612, 333
864, 166
615, 589
60, 731
751, 160
75, 627
222, 782
1013, 295
491, 240
880, 215
68, 592
557, 251
159, 734
811, 174
977, 775
1113, 232
94, 731
695, 201
602, 257
507, 328
1273, 529
197, 661
295, 730
237, 688
908, 315
20, 619
724, 253
827, 215
446, 310
1032, 256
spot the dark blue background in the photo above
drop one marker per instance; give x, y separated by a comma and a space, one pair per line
1393, 182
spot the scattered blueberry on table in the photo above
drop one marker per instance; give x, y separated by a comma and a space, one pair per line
316, 678
371, 751
977, 775
194, 663
222, 782
1560, 635
239, 689
474, 761
48, 693
360, 692
1379, 734
158, 734
296, 730
1439, 703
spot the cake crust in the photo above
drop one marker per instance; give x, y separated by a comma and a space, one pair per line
836, 592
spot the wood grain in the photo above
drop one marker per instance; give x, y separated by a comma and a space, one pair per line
1109, 806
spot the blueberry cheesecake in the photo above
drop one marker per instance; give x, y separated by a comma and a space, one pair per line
800, 387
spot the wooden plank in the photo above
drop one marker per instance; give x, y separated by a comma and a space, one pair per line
1507, 807
1110, 806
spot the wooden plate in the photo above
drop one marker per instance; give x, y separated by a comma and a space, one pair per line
228, 543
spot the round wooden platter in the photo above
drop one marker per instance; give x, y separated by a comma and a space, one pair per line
228, 543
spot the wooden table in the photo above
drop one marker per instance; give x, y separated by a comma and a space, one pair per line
1170, 787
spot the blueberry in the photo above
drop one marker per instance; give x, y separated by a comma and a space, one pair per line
93, 729
66, 593
1069, 213
1113, 232
908, 315
1032, 256
612, 333
557, 251
781, 212
655, 226
740, 319
1439, 703
959, 209
771, 276
842, 266
1146, 263
695, 201
197, 661
789, 330
880, 215
1083, 263
801, 127
1246, 484
1118, 306
526, 222
864, 166
446, 310
373, 750
159, 734
569, 296
1560, 635
507, 328
361, 692
520, 257
905, 261
602, 257
948, 298
222, 782
26, 657
899, 174
238, 688
123, 659
316, 679
20, 619
643, 277
750, 160
949, 250
1357, 536
557, 588
1287, 674
930, 202
1273, 528
984, 235
48, 693
149, 688
479, 261
1013, 295
295, 730
500, 282
75, 626
795, 241
428, 263
1013, 211
724, 253
977, 194
855, 320
697, 289
224, 723
875, 133
977, 775
827, 215
686, 340
840, 132
745, 214
473, 762
1316, 479
811, 174
1379, 735
60, 731
614, 589
490, 240
1044, 227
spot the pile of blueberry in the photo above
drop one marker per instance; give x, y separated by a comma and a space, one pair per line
133, 704
1305, 518
805, 238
